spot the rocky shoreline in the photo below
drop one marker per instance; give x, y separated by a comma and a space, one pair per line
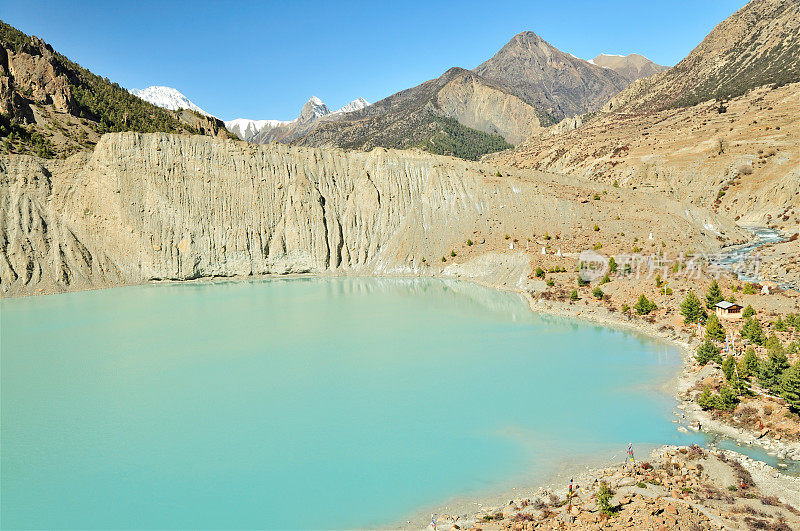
675, 488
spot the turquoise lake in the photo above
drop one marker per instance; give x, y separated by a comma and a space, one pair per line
305, 403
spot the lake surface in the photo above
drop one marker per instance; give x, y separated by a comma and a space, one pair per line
307, 403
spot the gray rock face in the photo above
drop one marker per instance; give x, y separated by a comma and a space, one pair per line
158, 206
556, 83
632, 66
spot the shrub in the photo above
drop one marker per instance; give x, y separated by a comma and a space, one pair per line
498, 174
444, 259
596, 197
749, 289
644, 306
469, 243
551, 282
452, 253
598, 293
596, 227
574, 295
625, 308
507, 236
605, 280
582, 281
604, 495
539, 272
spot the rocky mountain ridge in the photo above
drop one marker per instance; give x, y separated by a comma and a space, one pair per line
526, 85
632, 66
52, 106
556, 83
409, 118
266, 131
757, 45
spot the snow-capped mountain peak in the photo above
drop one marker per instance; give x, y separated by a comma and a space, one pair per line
313, 109
167, 97
246, 129
355, 105
269, 130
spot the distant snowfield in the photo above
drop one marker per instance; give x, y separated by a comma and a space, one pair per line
167, 97
246, 128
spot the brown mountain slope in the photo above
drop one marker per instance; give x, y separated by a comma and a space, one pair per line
757, 45
744, 163
556, 83
632, 66
440, 111
52, 106
527, 84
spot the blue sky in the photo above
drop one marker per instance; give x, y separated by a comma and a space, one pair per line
265, 59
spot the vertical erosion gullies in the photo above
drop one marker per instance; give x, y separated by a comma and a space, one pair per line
158, 206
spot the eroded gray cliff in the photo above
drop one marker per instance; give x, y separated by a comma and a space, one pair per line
157, 206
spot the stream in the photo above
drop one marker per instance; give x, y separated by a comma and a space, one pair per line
730, 257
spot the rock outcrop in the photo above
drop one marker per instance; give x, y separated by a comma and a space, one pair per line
632, 66
405, 119
158, 206
556, 83
757, 45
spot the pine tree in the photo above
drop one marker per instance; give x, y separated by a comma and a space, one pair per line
714, 330
749, 364
728, 367
790, 387
706, 400
713, 295
707, 352
612, 265
773, 345
727, 399
692, 309
771, 371
644, 306
748, 312
752, 331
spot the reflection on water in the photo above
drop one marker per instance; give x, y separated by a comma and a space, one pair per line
316, 402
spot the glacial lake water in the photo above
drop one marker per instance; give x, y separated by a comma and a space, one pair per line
305, 403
